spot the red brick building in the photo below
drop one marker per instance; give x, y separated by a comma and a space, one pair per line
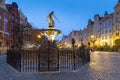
14, 25
4, 28
14, 21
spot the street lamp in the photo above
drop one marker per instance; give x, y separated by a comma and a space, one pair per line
92, 36
39, 36
73, 42
93, 40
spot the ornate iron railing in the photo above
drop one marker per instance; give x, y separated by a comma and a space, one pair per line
47, 59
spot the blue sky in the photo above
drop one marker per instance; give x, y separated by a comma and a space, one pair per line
73, 14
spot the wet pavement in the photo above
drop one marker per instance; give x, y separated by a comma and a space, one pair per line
103, 66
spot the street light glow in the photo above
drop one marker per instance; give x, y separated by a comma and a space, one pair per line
39, 36
92, 36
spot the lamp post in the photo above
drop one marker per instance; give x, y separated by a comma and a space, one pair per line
73, 42
93, 40
39, 37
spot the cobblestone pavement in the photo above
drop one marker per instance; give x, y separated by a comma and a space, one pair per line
103, 66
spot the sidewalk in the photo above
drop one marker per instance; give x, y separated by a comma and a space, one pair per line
103, 66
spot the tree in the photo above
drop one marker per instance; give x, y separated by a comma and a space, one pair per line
117, 42
93, 41
18, 37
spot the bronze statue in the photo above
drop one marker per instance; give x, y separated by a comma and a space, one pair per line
51, 21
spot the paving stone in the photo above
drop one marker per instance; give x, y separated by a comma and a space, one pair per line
103, 66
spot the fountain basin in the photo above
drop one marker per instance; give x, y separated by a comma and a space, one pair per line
51, 33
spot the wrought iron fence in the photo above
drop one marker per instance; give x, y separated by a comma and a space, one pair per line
47, 59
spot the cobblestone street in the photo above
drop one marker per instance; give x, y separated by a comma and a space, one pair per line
103, 66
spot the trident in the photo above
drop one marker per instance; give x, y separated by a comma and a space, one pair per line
57, 18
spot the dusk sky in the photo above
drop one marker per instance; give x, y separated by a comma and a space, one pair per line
73, 14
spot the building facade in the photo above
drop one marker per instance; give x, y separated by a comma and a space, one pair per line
116, 22
14, 21
101, 31
4, 28
106, 31
96, 29
89, 32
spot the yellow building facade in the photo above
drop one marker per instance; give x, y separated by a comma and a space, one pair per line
116, 22
105, 29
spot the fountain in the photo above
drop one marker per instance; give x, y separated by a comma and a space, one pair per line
48, 48
51, 32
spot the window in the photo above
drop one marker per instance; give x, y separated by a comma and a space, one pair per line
106, 23
12, 18
116, 19
0, 11
12, 25
12, 33
17, 20
6, 27
0, 24
105, 37
110, 22
6, 15
117, 27
102, 38
10, 8
117, 13
102, 31
110, 30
